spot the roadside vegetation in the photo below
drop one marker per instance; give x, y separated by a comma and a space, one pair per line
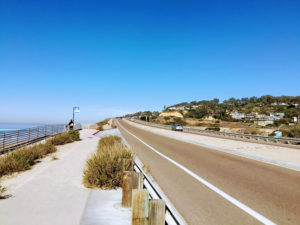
24, 158
101, 124
2, 190
67, 137
104, 169
113, 125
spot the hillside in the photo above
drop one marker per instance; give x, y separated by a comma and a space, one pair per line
258, 115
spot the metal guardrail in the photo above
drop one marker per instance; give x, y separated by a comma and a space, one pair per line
171, 217
281, 140
10, 140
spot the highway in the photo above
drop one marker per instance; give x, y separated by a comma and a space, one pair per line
213, 187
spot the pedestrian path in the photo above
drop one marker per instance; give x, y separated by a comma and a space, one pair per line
51, 192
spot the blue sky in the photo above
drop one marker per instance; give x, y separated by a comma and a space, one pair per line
116, 57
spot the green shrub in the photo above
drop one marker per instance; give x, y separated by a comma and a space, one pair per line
61, 139
213, 128
178, 120
74, 134
104, 169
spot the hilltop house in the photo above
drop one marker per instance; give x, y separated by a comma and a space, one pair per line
276, 116
236, 115
196, 106
262, 117
176, 108
250, 117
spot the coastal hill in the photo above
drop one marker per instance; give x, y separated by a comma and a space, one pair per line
255, 115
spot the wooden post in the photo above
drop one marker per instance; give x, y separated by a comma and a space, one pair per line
127, 189
140, 207
131, 180
157, 212
138, 180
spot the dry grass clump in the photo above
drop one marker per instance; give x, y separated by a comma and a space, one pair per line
61, 139
109, 141
2, 190
74, 134
113, 125
101, 124
65, 138
54, 157
104, 169
22, 159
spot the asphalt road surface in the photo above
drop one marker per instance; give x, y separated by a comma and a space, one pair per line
211, 187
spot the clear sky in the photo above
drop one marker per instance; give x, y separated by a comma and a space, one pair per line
115, 57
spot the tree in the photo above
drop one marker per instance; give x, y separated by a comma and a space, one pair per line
253, 99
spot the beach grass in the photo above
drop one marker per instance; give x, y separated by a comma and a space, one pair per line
24, 158
104, 169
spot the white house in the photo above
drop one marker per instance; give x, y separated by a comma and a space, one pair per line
262, 117
236, 115
176, 108
281, 115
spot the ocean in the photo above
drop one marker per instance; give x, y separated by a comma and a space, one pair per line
16, 126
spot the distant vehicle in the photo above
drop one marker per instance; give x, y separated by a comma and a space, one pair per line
177, 127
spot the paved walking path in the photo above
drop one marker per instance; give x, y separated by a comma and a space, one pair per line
51, 192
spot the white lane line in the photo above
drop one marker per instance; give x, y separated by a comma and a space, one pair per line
237, 203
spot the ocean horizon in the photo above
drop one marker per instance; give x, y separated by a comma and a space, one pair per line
17, 126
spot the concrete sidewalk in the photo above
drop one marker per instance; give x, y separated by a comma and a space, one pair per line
104, 207
51, 192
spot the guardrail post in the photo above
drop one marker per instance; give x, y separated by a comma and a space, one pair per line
131, 180
140, 207
157, 212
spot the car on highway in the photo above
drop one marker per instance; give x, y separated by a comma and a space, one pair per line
177, 127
